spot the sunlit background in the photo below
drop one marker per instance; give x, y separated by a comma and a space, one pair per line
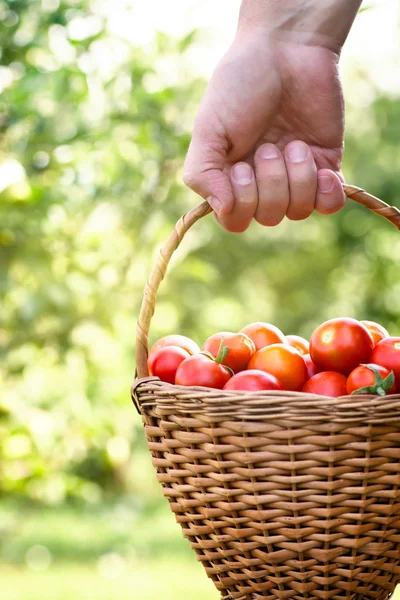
96, 107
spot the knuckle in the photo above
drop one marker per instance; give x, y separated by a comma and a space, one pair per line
298, 215
330, 207
239, 228
269, 221
234, 225
271, 215
190, 179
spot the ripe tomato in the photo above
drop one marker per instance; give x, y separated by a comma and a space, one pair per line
327, 383
365, 379
200, 369
172, 340
253, 381
263, 334
377, 331
341, 345
240, 349
166, 361
387, 354
298, 343
312, 368
284, 362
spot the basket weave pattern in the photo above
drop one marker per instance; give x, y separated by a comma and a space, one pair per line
281, 494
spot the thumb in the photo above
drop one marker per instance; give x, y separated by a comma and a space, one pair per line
205, 174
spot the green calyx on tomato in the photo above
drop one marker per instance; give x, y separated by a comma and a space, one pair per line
380, 387
221, 356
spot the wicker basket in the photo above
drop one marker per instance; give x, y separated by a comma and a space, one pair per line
281, 494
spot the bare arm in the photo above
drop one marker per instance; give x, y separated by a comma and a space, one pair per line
314, 22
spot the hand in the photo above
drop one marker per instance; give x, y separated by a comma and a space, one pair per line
268, 137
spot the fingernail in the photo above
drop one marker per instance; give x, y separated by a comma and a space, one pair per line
242, 173
297, 152
269, 151
215, 204
325, 183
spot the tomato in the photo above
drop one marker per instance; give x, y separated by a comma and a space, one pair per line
377, 331
240, 349
387, 354
312, 368
298, 343
200, 369
166, 361
341, 345
327, 383
253, 381
365, 379
263, 334
172, 340
284, 362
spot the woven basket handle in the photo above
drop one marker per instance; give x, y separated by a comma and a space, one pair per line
357, 194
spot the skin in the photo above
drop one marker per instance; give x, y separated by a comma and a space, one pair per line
268, 137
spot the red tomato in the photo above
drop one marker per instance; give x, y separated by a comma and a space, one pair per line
377, 331
327, 383
253, 381
387, 354
241, 349
284, 362
166, 361
263, 334
200, 369
341, 345
172, 340
364, 377
298, 343
312, 368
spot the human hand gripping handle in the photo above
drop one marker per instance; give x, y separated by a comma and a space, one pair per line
268, 137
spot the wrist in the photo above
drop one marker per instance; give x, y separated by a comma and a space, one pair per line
323, 23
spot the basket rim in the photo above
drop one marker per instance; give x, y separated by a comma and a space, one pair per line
391, 213
152, 394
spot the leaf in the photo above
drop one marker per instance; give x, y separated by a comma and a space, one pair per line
188, 40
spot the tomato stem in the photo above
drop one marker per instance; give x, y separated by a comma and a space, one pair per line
380, 386
222, 352
221, 356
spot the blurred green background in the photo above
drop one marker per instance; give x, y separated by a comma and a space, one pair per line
94, 130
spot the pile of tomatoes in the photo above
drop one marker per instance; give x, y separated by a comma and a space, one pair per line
343, 356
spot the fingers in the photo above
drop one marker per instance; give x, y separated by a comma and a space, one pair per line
282, 183
272, 184
204, 174
244, 188
302, 175
232, 193
205, 163
330, 195
287, 183
290, 184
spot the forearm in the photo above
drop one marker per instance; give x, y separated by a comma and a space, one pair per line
315, 22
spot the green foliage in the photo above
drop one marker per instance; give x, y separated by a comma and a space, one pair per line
90, 156
94, 134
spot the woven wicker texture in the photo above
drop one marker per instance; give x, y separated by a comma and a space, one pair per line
281, 494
